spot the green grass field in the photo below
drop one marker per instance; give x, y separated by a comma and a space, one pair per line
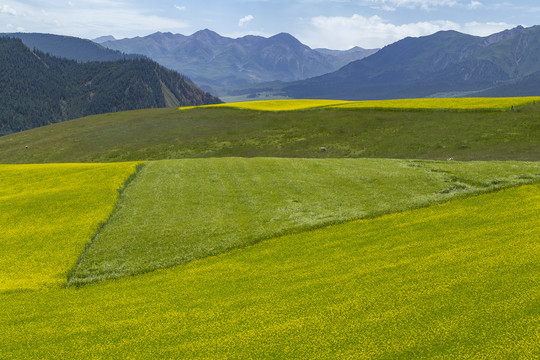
225, 132
176, 211
458, 280
243, 239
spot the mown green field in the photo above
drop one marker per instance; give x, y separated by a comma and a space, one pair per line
227, 132
243, 239
49, 212
458, 280
176, 211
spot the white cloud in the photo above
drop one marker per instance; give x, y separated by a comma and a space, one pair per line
485, 29
424, 4
245, 20
6, 9
92, 18
373, 32
180, 8
475, 5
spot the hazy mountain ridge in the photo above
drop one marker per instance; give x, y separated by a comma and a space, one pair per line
70, 47
214, 61
447, 62
39, 89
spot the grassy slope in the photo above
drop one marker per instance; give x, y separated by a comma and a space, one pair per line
49, 213
458, 280
221, 132
179, 210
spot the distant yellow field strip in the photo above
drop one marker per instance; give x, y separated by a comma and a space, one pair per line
442, 103
426, 104
276, 105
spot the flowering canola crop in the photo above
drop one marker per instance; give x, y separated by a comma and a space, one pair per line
398, 104
49, 212
453, 281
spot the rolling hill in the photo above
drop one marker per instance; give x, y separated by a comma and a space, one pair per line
446, 63
232, 203
453, 280
476, 134
273, 255
39, 89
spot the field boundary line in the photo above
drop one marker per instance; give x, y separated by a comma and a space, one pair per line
101, 225
298, 231
337, 223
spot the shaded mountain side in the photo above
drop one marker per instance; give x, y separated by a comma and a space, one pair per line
444, 63
526, 86
215, 62
39, 89
70, 47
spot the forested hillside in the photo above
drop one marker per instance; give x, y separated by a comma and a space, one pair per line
70, 47
38, 89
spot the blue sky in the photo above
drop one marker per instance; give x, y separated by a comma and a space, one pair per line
334, 24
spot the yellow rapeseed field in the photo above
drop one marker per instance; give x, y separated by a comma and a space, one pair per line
277, 105
398, 104
459, 280
443, 103
49, 212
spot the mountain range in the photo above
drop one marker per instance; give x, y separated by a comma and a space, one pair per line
218, 63
40, 85
447, 63
39, 89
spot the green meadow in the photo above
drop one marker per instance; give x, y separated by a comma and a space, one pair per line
176, 211
403, 133
228, 233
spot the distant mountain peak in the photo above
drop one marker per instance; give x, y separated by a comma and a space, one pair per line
206, 33
283, 35
159, 33
446, 63
285, 38
215, 61
208, 37
102, 39
495, 38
